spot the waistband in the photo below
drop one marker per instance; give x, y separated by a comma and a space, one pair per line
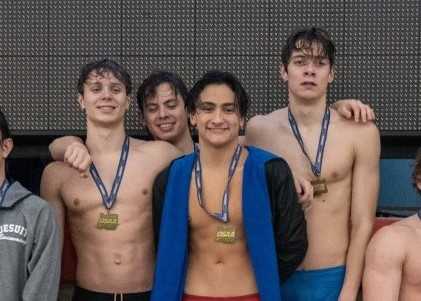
329, 270
252, 297
82, 294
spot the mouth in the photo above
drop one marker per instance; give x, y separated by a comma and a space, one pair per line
106, 108
308, 84
166, 126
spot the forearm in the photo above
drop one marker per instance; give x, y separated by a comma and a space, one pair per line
360, 236
58, 147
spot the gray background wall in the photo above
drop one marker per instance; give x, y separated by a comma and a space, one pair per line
43, 43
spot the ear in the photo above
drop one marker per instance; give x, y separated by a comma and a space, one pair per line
242, 123
193, 119
6, 147
418, 183
129, 101
81, 102
331, 75
283, 72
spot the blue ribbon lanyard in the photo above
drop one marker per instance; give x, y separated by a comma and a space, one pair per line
109, 200
222, 216
3, 189
316, 167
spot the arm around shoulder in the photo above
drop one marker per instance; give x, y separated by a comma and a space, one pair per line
59, 146
383, 266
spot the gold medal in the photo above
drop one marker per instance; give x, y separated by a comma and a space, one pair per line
319, 186
107, 221
225, 234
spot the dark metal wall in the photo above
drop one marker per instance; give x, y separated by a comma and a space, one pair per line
44, 42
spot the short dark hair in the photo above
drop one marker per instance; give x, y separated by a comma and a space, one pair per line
304, 39
4, 127
101, 67
148, 87
216, 77
416, 173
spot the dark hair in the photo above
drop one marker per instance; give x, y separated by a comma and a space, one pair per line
148, 87
304, 39
416, 173
4, 127
101, 67
216, 77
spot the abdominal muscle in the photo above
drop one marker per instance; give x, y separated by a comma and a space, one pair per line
117, 261
218, 269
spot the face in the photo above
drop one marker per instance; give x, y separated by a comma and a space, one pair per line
104, 98
165, 115
308, 74
6, 146
217, 118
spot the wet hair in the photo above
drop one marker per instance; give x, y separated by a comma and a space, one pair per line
216, 77
4, 127
416, 173
102, 67
305, 39
148, 87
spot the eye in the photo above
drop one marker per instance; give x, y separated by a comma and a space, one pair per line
95, 89
229, 109
172, 104
152, 108
205, 107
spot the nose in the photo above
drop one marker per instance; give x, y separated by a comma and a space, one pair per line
106, 93
218, 116
310, 69
162, 112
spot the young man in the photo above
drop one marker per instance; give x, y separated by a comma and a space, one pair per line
161, 101
29, 238
109, 212
338, 156
393, 264
229, 224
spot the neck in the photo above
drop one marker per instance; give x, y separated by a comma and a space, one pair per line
2, 172
217, 157
308, 113
185, 143
105, 140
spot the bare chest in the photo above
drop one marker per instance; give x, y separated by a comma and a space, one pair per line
82, 196
214, 186
336, 160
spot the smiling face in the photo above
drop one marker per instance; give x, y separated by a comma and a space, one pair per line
165, 114
308, 73
104, 98
217, 118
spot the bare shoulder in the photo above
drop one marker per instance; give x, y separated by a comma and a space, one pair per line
367, 129
57, 171
266, 121
159, 150
385, 240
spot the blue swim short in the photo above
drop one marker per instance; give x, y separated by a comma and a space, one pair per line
314, 285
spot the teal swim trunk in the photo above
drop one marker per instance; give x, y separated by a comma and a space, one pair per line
314, 285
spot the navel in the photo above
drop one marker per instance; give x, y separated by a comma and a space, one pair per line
117, 258
145, 191
76, 202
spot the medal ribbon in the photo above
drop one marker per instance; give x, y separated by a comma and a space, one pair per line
223, 215
109, 200
3, 189
317, 166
